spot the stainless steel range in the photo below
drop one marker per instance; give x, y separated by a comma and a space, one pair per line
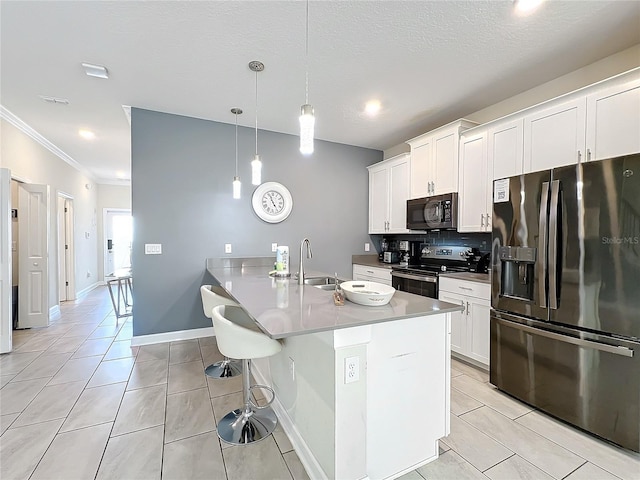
426, 263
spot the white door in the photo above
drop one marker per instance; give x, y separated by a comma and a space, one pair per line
118, 230
33, 283
555, 136
398, 196
472, 211
378, 199
62, 244
66, 281
6, 321
421, 170
445, 161
613, 121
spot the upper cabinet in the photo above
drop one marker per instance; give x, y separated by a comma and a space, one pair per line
599, 122
554, 136
388, 195
613, 121
475, 199
504, 148
434, 160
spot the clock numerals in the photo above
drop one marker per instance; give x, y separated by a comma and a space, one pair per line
272, 202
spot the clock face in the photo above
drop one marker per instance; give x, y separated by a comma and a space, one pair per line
272, 202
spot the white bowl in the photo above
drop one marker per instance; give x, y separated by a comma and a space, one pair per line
367, 293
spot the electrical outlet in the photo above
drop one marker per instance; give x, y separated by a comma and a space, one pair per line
227, 248
274, 247
292, 368
367, 247
152, 248
351, 369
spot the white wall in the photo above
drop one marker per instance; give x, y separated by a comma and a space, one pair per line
30, 161
602, 69
109, 196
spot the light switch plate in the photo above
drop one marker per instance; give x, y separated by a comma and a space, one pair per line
227, 248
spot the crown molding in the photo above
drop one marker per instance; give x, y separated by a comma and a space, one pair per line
17, 122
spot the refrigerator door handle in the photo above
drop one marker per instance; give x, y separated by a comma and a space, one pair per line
541, 264
603, 347
553, 244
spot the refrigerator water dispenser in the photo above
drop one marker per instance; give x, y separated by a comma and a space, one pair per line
517, 272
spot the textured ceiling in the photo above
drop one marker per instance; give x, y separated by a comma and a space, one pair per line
428, 62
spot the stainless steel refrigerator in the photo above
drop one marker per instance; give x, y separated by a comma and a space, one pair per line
565, 297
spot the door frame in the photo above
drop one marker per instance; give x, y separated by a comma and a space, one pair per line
105, 211
66, 257
6, 302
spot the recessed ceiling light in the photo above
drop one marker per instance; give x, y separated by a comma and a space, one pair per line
98, 71
48, 99
86, 134
524, 7
372, 107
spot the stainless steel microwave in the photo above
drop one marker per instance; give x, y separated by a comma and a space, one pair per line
439, 212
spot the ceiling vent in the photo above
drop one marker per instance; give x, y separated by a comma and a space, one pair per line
48, 99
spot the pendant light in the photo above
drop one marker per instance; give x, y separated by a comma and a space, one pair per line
236, 179
307, 118
256, 164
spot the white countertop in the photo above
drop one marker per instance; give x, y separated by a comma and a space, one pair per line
282, 308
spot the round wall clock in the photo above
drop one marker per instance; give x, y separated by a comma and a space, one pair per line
272, 202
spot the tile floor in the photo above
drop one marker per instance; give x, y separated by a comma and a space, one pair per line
78, 402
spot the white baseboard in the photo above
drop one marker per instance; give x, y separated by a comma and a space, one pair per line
309, 462
54, 312
86, 290
172, 336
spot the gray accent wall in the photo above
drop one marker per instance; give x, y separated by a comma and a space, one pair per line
181, 174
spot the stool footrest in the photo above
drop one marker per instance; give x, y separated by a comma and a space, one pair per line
238, 428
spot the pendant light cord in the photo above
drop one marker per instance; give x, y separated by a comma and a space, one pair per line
306, 59
256, 113
236, 143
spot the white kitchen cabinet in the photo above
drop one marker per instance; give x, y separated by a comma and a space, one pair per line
388, 195
434, 160
613, 121
554, 136
372, 274
476, 183
470, 328
505, 148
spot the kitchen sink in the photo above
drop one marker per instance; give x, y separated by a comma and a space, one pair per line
323, 283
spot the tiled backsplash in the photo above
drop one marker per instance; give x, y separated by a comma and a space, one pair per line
481, 241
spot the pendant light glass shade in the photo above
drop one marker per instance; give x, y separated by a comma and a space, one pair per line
237, 186
307, 123
256, 170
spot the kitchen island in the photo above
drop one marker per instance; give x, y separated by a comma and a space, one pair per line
362, 392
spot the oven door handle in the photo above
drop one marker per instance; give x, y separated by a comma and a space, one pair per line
420, 278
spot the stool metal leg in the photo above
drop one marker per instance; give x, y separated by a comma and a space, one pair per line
226, 368
246, 424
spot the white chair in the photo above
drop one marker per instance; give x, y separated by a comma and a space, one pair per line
252, 422
212, 296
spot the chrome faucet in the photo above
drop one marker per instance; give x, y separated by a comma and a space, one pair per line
309, 255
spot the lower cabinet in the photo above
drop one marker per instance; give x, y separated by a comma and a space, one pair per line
469, 328
372, 274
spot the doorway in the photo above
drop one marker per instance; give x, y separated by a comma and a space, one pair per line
66, 267
118, 236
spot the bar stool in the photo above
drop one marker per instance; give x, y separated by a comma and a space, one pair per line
252, 422
212, 296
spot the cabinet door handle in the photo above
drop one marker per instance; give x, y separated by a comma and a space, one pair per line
370, 271
579, 156
467, 308
482, 219
488, 217
464, 310
588, 154
465, 288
